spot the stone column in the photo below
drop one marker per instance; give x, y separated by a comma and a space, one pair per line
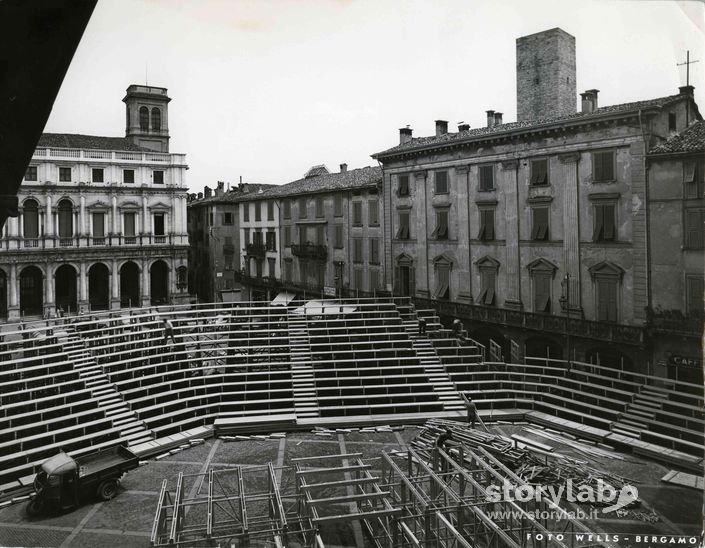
510, 191
49, 276
571, 230
115, 285
83, 288
144, 225
82, 231
145, 284
13, 309
49, 221
115, 225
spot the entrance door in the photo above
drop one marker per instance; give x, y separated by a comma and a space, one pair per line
65, 288
129, 285
99, 287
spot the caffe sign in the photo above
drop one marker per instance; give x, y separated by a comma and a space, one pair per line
685, 361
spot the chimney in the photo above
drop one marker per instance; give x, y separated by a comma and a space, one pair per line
404, 135
498, 118
441, 127
687, 90
589, 100
545, 74
462, 126
221, 188
343, 168
490, 118
200, 195
207, 191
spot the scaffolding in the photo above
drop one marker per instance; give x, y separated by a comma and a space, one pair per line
423, 497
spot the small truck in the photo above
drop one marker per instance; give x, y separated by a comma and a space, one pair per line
63, 482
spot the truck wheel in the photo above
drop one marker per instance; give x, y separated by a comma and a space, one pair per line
108, 489
35, 507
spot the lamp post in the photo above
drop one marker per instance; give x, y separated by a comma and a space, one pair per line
565, 305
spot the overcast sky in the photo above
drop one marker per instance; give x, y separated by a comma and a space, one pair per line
264, 89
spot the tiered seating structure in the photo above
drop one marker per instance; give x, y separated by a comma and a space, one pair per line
364, 363
109, 378
46, 402
632, 406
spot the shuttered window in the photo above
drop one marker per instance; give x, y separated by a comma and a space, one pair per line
288, 270
287, 236
321, 235
441, 180
373, 213
486, 178
270, 211
319, 206
302, 208
338, 237
694, 296
403, 231
271, 240
357, 213
603, 166
441, 230
539, 228
99, 225
129, 221
358, 277
486, 225
374, 279
693, 179
338, 205
31, 173
539, 172
607, 300
258, 211
403, 188
604, 226
442, 281
65, 175
246, 212
695, 224
357, 250
65, 219
287, 209
487, 286
30, 219
542, 292
374, 251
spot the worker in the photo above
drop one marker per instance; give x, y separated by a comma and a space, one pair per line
471, 409
444, 437
168, 330
422, 326
457, 328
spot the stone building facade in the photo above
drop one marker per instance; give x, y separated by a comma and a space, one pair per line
214, 238
676, 209
102, 223
328, 236
534, 232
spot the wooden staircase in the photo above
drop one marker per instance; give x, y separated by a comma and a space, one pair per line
134, 431
304, 386
643, 407
437, 374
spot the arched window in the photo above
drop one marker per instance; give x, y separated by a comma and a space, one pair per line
31, 219
156, 119
144, 118
65, 219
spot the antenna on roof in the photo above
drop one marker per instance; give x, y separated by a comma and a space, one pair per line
146, 79
687, 64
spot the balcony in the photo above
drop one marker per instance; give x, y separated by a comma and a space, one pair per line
625, 334
98, 241
310, 251
255, 250
674, 322
254, 281
16, 243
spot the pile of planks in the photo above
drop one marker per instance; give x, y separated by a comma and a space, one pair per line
533, 465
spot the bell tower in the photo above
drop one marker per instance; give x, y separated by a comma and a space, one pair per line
147, 109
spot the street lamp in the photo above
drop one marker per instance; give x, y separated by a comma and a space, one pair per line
565, 305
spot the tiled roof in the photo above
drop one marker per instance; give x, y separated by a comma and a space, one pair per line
250, 192
73, 140
316, 171
353, 178
421, 142
691, 139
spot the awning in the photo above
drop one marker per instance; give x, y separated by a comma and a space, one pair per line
283, 298
319, 308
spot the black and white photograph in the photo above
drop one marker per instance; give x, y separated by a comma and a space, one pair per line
352, 273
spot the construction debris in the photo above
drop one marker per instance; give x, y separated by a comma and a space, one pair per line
533, 465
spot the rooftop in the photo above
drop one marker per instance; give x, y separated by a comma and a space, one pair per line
324, 181
74, 140
691, 139
473, 134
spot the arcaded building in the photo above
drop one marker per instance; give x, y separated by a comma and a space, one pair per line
102, 220
536, 232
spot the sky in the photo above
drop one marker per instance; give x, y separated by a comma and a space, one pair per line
264, 89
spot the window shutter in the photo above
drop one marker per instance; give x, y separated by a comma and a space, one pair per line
694, 229
489, 232
599, 224
608, 222
689, 172
489, 297
695, 288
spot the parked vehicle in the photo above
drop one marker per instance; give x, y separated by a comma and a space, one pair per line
64, 483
